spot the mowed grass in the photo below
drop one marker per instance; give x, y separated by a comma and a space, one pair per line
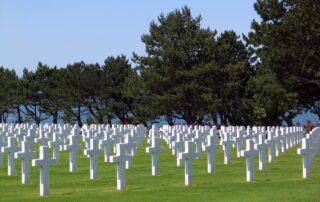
281, 181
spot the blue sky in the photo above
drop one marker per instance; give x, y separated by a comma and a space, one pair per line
60, 32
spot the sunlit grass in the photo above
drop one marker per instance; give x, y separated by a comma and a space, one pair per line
281, 181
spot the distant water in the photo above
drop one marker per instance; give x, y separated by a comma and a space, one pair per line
301, 119
308, 116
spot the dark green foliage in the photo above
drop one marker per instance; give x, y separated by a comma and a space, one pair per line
269, 100
230, 78
179, 52
116, 71
287, 43
51, 90
33, 87
79, 79
8, 92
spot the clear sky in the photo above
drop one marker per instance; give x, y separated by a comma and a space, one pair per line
60, 32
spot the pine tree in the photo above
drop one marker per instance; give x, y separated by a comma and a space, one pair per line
286, 42
178, 51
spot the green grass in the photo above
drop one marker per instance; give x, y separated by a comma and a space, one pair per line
281, 181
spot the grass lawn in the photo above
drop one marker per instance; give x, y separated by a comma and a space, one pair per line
281, 181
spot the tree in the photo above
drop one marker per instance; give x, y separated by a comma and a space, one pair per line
229, 80
116, 71
315, 108
96, 93
75, 92
142, 107
287, 42
267, 100
18, 99
8, 86
179, 51
51, 90
32, 84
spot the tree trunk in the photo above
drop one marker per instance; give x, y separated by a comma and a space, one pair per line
109, 120
288, 119
169, 119
189, 121
38, 121
145, 124
200, 122
214, 118
223, 120
79, 116
55, 117
187, 116
100, 119
19, 114
121, 118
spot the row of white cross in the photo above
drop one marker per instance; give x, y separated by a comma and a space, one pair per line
257, 140
125, 139
309, 149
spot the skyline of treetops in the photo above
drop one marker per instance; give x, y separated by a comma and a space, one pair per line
188, 72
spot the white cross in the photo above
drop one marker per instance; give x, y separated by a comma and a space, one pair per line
249, 153
306, 151
1, 154
19, 135
278, 141
287, 137
120, 158
283, 140
154, 150
55, 145
135, 141
42, 139
239, 141
171, 137
178, 147
11, 149
225, 142
30, 138
86, 137
106, 143
261, 147
211, 147
198, 140
188, 156
73, 147
153, 131
44, 162
93, 151
25, 154
270, 143
127, 142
